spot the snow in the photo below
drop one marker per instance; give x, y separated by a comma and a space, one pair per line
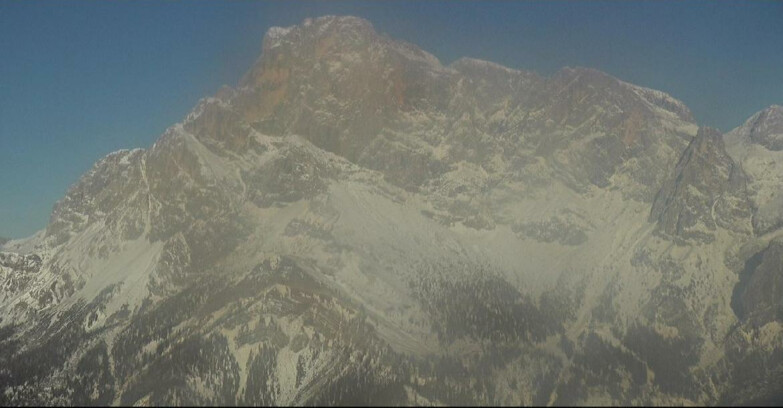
213, 167
415, 54
658, 99
479, 63
275, 35
277, 32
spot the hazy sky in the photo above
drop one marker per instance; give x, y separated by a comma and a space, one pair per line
81, 79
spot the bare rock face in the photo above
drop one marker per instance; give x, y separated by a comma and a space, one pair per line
757, 296
552, 230
345, 88
605, 132
356, 223
707, 190
356, 93
753, 370
16, 272
110, 184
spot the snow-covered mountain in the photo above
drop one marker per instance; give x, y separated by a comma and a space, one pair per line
357, 223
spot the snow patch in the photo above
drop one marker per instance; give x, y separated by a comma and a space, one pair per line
275, 35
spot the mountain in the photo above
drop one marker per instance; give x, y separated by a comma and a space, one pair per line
708, 189
764, 128
756, 147
356, 223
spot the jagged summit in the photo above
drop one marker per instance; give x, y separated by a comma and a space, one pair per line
757, 146
706, 190
764, 128
344, 33
333, 38
351, 91
319, 27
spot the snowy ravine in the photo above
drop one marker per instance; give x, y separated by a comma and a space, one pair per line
356, 223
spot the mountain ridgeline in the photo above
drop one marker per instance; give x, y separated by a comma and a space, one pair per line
356, 223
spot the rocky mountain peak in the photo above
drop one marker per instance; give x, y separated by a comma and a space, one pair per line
757, 145
329, 33
706, 190
354, 92
332, 40
580, 77
766, 128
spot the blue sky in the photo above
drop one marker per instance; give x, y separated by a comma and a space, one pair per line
82, 79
